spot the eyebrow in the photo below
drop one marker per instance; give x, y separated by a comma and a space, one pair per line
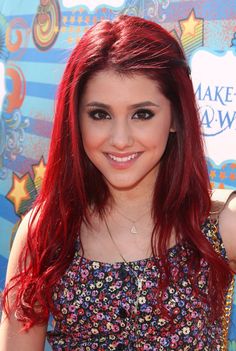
140, 104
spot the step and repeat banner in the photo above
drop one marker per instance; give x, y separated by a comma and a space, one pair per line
36, 38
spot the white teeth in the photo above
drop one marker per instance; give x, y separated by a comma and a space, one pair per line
123, 159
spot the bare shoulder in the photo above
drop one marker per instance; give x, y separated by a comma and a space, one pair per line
19, 243
11, 333
227, 224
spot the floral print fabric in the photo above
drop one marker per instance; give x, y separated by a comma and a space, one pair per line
99, 309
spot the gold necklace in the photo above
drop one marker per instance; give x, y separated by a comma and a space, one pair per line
140, 278
133, 229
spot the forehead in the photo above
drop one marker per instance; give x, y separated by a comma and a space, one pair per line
110, 85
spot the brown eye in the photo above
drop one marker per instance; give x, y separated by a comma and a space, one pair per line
98, 114
143, 114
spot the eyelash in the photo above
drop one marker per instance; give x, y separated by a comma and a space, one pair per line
93, 113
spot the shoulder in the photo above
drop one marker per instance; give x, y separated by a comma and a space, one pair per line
19, 242
11, 330
227, 222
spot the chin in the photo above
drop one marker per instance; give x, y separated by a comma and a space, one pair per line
124, 185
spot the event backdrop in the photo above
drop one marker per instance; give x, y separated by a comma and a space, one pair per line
36, 38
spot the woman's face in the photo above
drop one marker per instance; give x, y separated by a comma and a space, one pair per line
125, 122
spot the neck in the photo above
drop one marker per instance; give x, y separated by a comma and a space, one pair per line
134, 201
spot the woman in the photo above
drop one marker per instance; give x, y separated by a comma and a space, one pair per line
120, 246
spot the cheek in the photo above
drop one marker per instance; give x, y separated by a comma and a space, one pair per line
158, 139
92, 139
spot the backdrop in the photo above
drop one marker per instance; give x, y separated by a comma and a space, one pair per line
36, 38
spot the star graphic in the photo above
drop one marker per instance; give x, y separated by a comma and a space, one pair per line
222, 175
212, 174
174, 34
39, 169
188, 26
70, 40
19, 192
232, 176
72, 19
80, 19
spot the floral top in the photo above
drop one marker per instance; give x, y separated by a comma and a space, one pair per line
99, 309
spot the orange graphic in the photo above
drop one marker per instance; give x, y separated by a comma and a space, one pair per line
222, 175
12, 32
232, 176
212, 174
17, 95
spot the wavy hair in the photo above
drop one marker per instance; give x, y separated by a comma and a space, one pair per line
127, 45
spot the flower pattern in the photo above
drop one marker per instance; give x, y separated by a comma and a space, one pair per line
98, 306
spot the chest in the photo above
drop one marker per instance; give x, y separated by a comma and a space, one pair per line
98, 297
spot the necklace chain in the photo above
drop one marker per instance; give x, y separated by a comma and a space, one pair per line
140, 279
133, 229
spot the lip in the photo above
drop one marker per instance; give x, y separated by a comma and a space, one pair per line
122, 164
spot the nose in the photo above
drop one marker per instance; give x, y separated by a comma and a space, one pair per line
121, 134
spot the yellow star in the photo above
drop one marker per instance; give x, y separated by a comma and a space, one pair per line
188, 26
70, 40
80, 19
39, 169
63, 29
72, 19
18, 192
64, 19
212, 174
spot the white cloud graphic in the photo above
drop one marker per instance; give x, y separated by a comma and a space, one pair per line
92, 4
214, 78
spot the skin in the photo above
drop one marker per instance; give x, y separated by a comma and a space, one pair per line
122, 130
131, 183
124, 116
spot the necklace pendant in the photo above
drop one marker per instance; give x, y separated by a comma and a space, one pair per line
133, 230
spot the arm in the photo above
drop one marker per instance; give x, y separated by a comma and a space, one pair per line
227, 226
12, 338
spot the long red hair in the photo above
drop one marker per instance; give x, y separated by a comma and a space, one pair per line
72, 184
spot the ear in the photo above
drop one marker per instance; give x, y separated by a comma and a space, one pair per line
172, 127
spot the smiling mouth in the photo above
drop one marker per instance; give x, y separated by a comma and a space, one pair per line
124, 158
